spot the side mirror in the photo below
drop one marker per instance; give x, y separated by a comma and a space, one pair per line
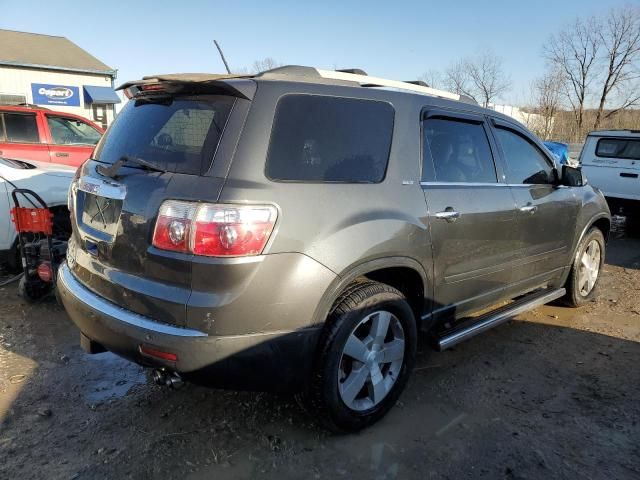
572, 176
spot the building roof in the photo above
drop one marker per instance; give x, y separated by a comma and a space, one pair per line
46, 51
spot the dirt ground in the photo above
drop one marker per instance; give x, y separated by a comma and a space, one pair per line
554, 393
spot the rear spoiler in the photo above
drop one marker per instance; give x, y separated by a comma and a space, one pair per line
235, 85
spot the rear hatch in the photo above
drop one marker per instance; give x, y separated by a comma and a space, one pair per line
160, 147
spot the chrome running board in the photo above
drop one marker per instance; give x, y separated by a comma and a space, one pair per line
474, 326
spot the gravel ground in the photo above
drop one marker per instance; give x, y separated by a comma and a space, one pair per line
551, 394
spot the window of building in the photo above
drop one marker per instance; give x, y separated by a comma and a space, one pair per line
330, 139
524, 162
12, 99
460, 151
21, 128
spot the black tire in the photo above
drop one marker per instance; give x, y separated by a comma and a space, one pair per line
632, 225
323, 398
32, 292
14, 259
573, 297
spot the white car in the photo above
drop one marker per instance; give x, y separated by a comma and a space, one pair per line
50, 181
610, 160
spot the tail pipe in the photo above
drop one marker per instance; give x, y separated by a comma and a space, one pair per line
166, 378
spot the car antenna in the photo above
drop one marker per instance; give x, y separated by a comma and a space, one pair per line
224, 60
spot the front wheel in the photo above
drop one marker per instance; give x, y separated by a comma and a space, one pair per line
365, 357
585, 271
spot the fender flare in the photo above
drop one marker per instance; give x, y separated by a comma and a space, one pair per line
352, 272
588, 226
574, 250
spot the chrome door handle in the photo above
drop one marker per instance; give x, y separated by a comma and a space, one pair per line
61, 154
531, 209
449, 215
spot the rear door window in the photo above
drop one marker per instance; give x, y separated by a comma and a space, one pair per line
21, 128
178, 134
330, 139
460, 151
622, 148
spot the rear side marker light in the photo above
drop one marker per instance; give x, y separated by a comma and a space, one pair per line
214, 230
152, 352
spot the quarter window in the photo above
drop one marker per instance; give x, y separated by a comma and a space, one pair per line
618, 148
460, 151
524, 162
330, 139
21, 128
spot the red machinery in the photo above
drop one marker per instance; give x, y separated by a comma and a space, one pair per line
41, 252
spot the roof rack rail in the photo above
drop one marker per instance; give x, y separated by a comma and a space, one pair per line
33, 105
367, 81
422, 83
25, 105
355, 71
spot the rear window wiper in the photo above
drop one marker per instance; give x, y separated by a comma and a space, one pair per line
113, 168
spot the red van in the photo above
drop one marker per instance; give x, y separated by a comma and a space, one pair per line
37, 133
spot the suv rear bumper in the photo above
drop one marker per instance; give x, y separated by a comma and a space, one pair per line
279, 361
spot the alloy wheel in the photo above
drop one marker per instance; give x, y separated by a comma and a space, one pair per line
371, 360
589, 268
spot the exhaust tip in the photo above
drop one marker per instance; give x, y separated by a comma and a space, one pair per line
159, 377
167, 379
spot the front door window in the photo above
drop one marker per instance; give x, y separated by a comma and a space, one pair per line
71, 131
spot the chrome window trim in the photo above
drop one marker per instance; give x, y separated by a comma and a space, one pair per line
463, 184
478, 184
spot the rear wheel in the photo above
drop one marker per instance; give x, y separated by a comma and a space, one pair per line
585, 271
365, 358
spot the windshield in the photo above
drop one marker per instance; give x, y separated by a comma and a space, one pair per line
176, 134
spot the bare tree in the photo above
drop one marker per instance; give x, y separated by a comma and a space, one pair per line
574, 52
486, 76
619, 36
547, 101
433, 78
480, 77
265, 64
456, 79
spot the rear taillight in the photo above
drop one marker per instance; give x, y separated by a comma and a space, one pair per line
174, 225
215, 230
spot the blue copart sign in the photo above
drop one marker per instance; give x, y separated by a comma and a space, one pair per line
44, 94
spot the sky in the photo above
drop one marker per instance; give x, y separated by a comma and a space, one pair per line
397, 40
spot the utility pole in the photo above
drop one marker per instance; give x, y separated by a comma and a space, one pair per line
224, 60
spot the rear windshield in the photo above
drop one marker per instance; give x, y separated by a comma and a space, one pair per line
330, 139
178, 134
618, 148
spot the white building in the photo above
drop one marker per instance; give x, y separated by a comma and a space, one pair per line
55, 73
533, 121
